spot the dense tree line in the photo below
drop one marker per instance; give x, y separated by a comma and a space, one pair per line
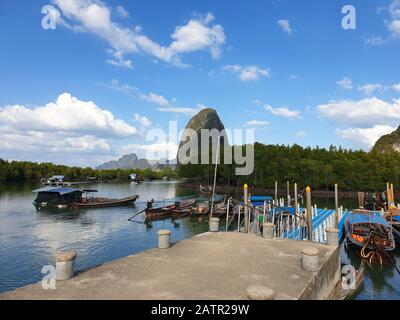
318, 167
24, 170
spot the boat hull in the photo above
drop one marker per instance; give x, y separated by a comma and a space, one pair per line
106, 203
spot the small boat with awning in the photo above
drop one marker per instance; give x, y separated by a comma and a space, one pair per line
369, 230
60, 197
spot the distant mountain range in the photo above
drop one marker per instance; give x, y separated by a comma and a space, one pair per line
131, 161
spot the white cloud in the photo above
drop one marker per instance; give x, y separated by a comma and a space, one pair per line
182, 110
144, 121
67, 113
136, 93
345, 83
364, 113
285, 25
300, 134
196, 35
257, 123
283, 112
155, 98
393, 25
369, 88
247, 73
365, 137
118, 60
122, 12
396, 87
93, 16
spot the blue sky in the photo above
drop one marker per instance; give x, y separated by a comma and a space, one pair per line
90, 89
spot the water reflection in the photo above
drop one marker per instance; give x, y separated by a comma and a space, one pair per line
29, 237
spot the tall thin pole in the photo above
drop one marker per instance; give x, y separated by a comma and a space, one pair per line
276, 193
288, 193
215, 177
245, 207
296, 203
336, 206
309, 214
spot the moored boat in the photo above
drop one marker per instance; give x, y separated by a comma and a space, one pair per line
368, 230
61, 198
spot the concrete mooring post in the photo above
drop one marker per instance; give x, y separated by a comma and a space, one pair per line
164, 239
332, 236
214, 224
309, 259
309, 214
268, 230
65, 262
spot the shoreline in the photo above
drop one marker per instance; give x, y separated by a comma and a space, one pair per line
268, 191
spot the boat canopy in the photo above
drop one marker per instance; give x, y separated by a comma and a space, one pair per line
58, 190
260, 198
368, 218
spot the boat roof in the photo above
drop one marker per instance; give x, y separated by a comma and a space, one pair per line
57, 177
59, 190
368, 218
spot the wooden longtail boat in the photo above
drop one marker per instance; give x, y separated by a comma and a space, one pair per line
366, 229
169, 210
60, 197
103, 203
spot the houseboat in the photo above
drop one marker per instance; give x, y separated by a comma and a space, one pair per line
60, 197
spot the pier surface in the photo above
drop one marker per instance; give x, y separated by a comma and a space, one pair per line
213, 266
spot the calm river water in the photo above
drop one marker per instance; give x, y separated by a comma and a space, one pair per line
28, 238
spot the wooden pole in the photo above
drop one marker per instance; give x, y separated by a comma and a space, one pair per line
336, 206
288, 193
276, 192
309, 214
227, 215
245, 209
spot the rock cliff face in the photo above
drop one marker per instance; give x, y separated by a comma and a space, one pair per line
129, 161
205, 119
388, 143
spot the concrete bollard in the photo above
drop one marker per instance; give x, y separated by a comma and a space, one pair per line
164, 239
309, 259
332, 237
268, 230
65, 261
214, 224
258, 292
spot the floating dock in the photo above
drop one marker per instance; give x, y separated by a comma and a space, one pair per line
209, 266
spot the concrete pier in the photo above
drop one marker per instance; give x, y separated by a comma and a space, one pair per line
210, 266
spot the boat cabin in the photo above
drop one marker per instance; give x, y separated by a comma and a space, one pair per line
57, 196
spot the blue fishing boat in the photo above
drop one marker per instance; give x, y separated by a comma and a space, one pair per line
369, 230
